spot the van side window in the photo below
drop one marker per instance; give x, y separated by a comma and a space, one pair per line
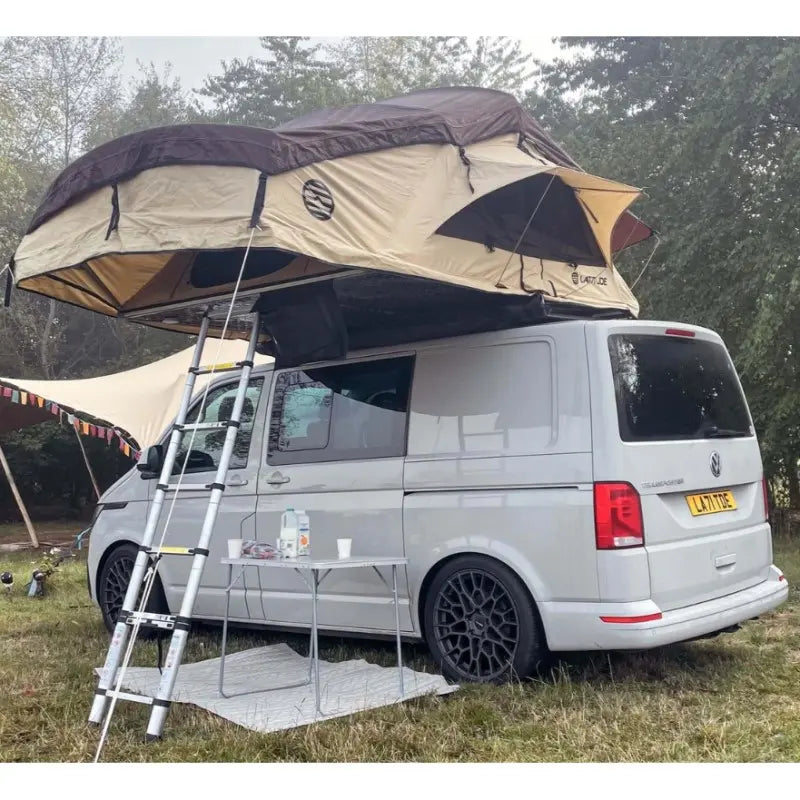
483, 401
207, 445
344, 412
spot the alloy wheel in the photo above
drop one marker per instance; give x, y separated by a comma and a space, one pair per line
476, 625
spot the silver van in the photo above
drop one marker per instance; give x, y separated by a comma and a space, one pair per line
577, 485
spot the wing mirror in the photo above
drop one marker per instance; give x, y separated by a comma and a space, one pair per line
151, 461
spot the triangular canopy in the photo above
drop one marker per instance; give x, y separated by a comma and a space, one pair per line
140, 401
456, 186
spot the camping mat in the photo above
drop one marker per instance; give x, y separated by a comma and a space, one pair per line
346, 687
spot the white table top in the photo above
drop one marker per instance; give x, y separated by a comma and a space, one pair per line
306, 562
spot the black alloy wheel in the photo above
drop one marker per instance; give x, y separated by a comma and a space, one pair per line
480, 622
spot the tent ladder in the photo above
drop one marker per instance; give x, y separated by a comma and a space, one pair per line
132, 615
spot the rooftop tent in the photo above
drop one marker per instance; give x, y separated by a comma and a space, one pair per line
427, 212
141, 402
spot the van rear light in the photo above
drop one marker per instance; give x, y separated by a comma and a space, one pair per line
765, 490
679, 332
617, 516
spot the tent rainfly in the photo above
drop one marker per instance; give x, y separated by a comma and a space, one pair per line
436, 213
141, 401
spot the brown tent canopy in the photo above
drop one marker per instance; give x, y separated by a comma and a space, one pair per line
455, 186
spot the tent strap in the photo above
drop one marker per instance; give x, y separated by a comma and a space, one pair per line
258, 202
468, 164
113, 223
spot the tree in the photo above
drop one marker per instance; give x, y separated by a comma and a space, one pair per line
499, 63
151, 100
58, 86
710, 128
289, 81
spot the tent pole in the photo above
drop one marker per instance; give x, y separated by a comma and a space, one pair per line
88, 466
18, 498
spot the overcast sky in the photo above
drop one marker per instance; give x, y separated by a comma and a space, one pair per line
194, 57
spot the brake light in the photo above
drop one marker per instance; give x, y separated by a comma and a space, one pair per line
679, 332
617, 516
765, 490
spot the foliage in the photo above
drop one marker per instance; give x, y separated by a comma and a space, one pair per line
709, 127
296, 77
291, 79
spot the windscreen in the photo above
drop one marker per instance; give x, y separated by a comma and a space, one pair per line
671, 387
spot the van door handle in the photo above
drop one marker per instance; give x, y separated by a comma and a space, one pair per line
237, 480
276, 479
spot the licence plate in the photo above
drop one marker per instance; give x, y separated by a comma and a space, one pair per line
710, 503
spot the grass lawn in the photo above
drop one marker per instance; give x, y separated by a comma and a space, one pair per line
733, 698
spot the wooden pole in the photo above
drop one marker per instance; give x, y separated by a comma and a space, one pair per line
18, 498
88, 466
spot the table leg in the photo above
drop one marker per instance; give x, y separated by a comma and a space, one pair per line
315, 635
229, 584
397, 628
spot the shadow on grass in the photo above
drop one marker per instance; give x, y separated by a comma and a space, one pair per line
679, 665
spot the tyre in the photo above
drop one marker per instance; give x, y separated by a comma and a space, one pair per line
112, 583
481, 624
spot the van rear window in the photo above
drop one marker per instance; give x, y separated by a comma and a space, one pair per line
671, 388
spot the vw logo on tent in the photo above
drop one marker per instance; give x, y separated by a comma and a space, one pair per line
318, 199
716, 464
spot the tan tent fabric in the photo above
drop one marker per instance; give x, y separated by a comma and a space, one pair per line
141, 401
387, 209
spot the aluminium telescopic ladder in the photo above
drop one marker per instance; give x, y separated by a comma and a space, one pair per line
132, 618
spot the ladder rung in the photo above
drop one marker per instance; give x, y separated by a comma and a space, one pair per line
134, 698
190, 487
202, 426
151, 620
230, 366
165, 550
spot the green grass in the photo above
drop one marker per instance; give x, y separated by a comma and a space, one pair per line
733, 698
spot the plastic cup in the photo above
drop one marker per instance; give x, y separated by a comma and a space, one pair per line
235, 548
343, 546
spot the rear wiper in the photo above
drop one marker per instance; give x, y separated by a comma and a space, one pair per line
713, 432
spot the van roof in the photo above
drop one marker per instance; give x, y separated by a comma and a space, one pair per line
509, 335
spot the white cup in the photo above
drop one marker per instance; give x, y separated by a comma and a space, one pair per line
235, 548
343, 546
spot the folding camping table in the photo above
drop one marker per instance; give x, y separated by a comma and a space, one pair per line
319, 569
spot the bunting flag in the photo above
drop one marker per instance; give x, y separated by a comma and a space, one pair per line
81, 426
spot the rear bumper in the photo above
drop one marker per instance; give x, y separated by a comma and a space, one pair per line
577, 626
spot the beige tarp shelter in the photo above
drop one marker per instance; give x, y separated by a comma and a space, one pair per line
140, 401
451, 188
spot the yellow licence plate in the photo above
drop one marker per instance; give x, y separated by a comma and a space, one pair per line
710, 503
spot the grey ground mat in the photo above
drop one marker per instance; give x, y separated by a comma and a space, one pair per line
346, 687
